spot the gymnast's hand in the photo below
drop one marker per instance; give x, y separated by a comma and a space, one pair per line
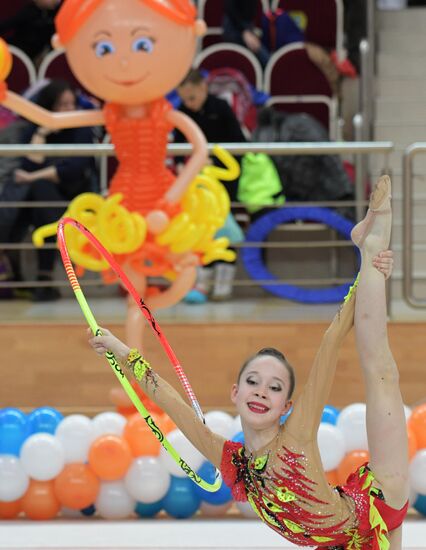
383, 262
109, 342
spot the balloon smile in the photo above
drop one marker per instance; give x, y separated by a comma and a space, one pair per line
127, 82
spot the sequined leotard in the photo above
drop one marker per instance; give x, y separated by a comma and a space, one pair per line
284, 481
140, 145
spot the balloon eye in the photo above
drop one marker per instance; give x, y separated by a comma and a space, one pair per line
143, 44
104, 48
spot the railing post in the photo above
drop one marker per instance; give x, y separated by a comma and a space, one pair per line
358, 124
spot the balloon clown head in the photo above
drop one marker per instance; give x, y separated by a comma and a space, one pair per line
129, 52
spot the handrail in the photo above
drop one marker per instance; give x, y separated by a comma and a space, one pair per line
407, 223
274, 149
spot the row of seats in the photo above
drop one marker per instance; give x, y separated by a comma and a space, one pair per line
290, 77
324, 19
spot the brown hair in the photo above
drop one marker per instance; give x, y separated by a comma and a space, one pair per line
272, 352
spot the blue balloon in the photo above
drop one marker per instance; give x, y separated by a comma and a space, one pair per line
420, 504
44, 419
208, 473
148, 510
89, 510
181, 500
330, 415
238, 438
14, 430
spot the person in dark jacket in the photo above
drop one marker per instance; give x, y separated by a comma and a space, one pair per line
46, 179
31, 28
239, 27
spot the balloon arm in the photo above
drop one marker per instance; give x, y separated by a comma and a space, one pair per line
47, 119
307, 411
197, 160
168, 399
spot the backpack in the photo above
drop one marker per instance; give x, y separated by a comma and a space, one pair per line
279, 29
232, 86
304, 177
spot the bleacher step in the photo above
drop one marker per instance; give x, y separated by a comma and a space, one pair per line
411, 20
401, 41
403, 88
399, 110
397, 64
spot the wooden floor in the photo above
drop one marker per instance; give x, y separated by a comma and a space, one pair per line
46, 359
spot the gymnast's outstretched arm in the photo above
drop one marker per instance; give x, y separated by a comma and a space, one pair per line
168, 399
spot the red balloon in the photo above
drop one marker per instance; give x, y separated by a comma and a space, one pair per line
40, 501
110, 457
76, 486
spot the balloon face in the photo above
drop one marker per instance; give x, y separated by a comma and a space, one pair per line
128, 53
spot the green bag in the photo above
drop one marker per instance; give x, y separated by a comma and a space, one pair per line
259, 184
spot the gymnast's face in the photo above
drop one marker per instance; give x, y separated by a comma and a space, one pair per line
261, 393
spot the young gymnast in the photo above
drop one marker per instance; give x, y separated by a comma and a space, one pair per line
278, 470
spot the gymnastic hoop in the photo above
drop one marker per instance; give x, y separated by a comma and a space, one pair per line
87, 312
255, 266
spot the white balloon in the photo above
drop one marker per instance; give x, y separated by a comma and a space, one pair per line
214, 510
352, 423
185, 449
147, 480
236, 426
407, 412
113, 501
331, 445
42, 456
220, 423
13, 479
76, 434
418, 472
108, 423
246, 509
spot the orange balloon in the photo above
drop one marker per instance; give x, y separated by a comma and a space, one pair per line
165, 423
412, 442
119, 397
140, 437
5, 60
9, 510
350, 464
332, 478
76, 486
40, 501
110, 457
417, 422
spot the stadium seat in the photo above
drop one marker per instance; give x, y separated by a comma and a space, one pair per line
295, 84
234, 56
324, 21
23, 74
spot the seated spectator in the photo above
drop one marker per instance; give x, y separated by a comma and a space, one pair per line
32, 28
239, 27
219, 124
47, 179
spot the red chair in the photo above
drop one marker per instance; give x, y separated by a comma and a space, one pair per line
234, 56
324, 21
297, 85
55, 65
212, 13
23, 74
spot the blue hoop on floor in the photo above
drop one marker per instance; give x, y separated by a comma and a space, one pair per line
260, 229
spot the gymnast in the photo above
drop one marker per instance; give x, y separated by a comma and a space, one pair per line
278, 469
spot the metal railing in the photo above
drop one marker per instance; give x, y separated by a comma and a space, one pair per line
408, 223
274, 149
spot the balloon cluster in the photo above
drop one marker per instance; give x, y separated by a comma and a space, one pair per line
111, 465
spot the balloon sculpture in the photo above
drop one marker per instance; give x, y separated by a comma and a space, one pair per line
130, 53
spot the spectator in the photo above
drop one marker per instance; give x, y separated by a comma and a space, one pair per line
32, 28
219, 124
47, 179
239, 27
